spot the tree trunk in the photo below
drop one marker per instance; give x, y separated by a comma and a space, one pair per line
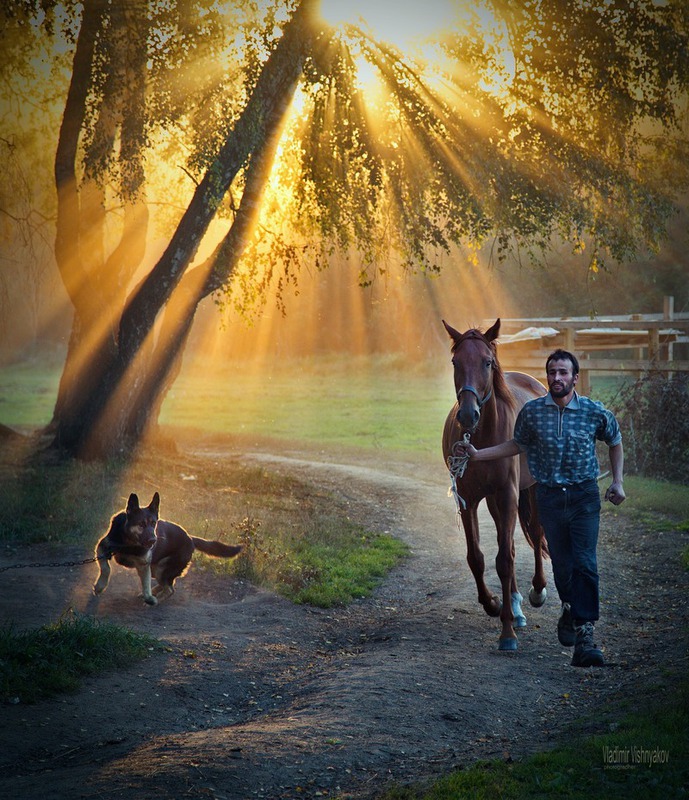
111, 385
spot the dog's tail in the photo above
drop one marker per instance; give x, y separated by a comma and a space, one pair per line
217, 549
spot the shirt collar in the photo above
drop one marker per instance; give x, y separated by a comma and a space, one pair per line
573, 403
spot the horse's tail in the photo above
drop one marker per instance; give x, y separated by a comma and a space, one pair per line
527, 519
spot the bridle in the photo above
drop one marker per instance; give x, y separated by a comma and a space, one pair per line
481, 401
473, 334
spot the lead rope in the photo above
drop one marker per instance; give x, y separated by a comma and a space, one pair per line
457, 465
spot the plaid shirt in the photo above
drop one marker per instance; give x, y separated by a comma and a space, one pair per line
560, 443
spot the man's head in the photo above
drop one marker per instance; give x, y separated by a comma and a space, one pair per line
562, 374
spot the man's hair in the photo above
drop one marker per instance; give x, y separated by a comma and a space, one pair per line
563, 355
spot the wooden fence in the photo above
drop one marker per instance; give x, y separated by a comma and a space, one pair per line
635, 343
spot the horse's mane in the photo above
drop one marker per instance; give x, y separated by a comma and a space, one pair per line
500, 387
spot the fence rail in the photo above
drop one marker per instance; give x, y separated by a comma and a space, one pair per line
650, 342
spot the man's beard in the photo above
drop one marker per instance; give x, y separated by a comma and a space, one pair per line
564, 389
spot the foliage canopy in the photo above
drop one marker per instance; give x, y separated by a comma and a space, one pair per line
518, 125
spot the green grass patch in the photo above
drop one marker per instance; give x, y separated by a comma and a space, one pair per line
654, 496
297, 540
371, 402
325, 561
657, 505
28, 390
43, 662
647, 757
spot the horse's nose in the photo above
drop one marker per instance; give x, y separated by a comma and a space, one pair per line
468, 417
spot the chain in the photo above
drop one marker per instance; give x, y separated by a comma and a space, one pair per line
56, 564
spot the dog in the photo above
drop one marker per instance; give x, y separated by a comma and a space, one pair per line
138, 539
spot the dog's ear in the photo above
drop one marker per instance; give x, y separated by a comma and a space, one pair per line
132, 503
154, 505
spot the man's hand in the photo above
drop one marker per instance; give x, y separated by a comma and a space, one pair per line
615, 494
464, 449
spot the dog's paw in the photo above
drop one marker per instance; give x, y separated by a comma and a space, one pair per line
98, 588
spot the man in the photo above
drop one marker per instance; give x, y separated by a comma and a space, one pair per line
558, 432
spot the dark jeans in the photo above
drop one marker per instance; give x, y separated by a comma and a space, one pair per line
571, 517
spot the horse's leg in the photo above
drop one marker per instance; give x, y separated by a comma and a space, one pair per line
503, 508
537, 593
476, 561
516, 598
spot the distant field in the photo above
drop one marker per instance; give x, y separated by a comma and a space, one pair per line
28, 391
375, 402
372, 403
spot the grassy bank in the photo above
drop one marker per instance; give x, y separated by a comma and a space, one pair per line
40, 663
646, 758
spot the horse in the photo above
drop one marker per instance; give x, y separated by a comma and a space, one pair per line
488, 401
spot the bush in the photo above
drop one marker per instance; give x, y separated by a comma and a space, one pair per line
654, 415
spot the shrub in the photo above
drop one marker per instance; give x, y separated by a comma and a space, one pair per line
654, 415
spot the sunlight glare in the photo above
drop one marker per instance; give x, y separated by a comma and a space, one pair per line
403, 25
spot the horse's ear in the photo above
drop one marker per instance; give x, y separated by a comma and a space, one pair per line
454, 335
132, 503
493, 332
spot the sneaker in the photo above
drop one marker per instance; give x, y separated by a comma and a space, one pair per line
565, 627
586, 654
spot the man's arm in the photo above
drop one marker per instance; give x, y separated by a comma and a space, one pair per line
615, 493
502, 450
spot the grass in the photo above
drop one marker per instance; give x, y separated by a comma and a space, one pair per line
298, 541
657, 505
40, 663
646, 757
28, 390
331, 562
377, 402
645, 495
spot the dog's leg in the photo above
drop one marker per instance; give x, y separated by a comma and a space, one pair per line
145, 577
163, 590
100, 585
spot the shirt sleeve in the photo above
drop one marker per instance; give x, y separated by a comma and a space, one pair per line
522, 430
609, 429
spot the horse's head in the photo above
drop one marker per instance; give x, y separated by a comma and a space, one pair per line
473, 359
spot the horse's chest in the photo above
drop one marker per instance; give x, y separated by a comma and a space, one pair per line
489, 478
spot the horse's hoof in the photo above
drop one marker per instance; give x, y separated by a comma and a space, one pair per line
537, 599
494, 606
517, 614
508, 645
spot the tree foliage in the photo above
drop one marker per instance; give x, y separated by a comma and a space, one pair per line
531, 121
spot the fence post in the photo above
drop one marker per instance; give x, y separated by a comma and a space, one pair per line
667, 350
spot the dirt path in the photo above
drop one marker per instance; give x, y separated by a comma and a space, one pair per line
256, 698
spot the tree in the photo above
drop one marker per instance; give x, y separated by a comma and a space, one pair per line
559, 119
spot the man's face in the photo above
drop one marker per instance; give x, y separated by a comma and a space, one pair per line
561, 381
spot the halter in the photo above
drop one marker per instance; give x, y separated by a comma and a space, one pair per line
474, 334
481, 402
